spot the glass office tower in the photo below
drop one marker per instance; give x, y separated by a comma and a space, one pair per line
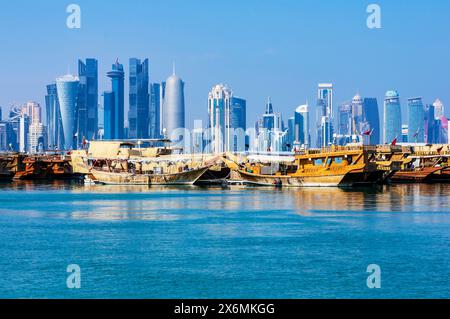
117, 87
416, 120
372, 116
87, 100
392, 117
138, 115
67, 90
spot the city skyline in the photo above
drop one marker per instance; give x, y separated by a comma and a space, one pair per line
284, 65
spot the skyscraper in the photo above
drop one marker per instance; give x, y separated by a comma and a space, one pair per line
55, 135
357, 115
269, 118
138, 115
324, 127
156, 102
271, 135
392, 117
33, 111
325, 92
117, 87
432, 125
87, 119
37, 139
24, 124
344, 127
291, 133
227, 120
438, 109
302, 137
372, 117
67, 90
109, 113
173, 109
416, 120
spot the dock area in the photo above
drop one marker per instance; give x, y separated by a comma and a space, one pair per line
341, 166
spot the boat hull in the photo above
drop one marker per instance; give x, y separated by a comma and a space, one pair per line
338, 180
214, 177
183, 178
417, 176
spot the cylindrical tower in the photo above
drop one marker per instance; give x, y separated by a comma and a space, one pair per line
173, 108
67, 87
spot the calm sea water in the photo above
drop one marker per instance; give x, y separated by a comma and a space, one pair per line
140, 242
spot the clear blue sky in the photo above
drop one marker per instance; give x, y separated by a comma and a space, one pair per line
259, 48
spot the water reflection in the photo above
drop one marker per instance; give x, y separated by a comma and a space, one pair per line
74, 200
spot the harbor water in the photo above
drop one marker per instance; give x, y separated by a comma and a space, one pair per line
223, 242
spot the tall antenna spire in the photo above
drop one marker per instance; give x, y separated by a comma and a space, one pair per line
173, 68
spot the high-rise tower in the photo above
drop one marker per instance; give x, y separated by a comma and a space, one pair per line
173, 108
138, 114
325, 92
392, 117
416, 120
302, 137
156, 103
55, 136
67, 89
227, 120
117, 87
371, 115
87, 118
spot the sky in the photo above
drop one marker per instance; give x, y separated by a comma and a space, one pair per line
259, 48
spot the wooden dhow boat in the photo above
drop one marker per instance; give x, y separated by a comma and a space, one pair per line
424, 164
329, 167
126, 163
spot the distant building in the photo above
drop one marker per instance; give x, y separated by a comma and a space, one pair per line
55, 135
324, 127
37, 139
15, 113
198, 139
430, 124
138, 114
301, 122
325, 93
117, 76
6, 136
67, 88
156, 103
445, 132
269, 117
33, 111
173, 108
24, 124
358, 120
109, 116
87, 115
271, 135
372, 117
291, 133
404, 136
392, 117
227, 120
326, 132
416, 120
438, 109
